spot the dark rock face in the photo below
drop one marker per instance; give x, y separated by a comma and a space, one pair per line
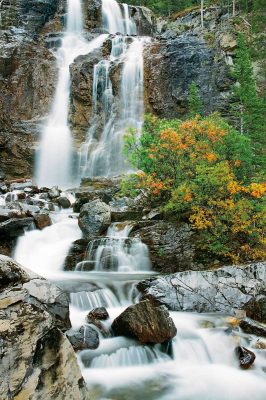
42, 220
94, 218
170, 245
256, 309
223, 290
146, 322
76, 254
246, 357
252, 327
14, 227
99, 313
170, 67
85, 338
33, 349
26, 91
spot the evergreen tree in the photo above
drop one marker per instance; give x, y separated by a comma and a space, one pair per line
247, 107
194, 101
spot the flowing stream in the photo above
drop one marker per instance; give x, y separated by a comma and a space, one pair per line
199, 363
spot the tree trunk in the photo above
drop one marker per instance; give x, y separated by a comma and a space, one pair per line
201, 12
234, 8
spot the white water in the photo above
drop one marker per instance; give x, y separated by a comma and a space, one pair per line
102, 152
54, 157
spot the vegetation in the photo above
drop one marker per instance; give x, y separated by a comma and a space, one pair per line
247, 107
201, 170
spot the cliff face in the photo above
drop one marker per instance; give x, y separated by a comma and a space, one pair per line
177, 54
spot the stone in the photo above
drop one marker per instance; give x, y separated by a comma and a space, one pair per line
42, 220
146, 322
33, 349
99, 313
85, 338
63, 202
228, 42
76, 254
251, 327
21, 185
54, 192
171, 245
126, 209
256, 308
172, 63
246, 357
224, 290
14, 227
94, 218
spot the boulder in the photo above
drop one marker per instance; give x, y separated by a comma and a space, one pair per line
99, 313
256, 308
224, 290
85, 338
171, 245
63, 202
14, 227
246, 357
76, 254
54, 192
34, 352
94, 218
251, 327
125, 209
146, 322
42, 220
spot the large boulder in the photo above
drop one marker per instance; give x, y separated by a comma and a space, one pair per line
146, 322
14, 227
94, 218
37, 361
85, 338
76, 254
224, 290
256, 308
171, 245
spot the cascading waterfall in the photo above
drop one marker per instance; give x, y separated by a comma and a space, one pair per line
54, 157
102, 153
199, 363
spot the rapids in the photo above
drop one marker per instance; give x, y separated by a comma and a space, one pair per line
199, 363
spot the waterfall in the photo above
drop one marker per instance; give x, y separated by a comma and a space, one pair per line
54, 157
102, 153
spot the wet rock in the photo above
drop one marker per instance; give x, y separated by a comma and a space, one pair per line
252, 327
14, 227
171, 245
64, 202
42, 220
76, 254
33, 349
4, 214
125, 209
224, 290
94, 218
146, 322
246, 357
85, 196
99, 313
172, 64
54, 192
256, 308
21, 185
85, 338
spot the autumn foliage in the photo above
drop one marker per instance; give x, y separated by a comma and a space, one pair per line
201, 170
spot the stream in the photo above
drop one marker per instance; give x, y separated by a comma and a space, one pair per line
200, 362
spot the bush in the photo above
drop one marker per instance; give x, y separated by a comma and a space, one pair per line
202, 169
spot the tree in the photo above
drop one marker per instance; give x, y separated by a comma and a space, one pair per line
194, 101
248, 108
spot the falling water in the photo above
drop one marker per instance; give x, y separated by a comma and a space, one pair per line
54, 157
102, 153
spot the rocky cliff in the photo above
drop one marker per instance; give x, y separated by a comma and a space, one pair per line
177, 54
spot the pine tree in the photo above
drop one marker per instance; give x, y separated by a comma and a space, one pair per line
194, 101
247, 107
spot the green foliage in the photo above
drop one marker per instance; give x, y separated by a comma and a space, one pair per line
194, 101
247, 107
201, 169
